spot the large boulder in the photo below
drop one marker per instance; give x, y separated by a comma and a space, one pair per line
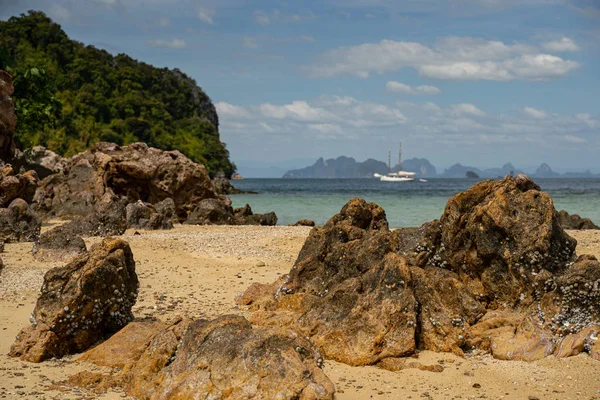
19, 223
363, 293
8, 119
211, 212
85, 301
225, 358
574, 221
136, 172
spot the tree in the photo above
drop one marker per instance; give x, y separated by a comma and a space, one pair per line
36, 107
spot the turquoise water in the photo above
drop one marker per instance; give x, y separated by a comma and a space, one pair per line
407, 204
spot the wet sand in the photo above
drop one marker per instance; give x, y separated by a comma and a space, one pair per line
196, 271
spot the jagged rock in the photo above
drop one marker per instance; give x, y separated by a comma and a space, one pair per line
135, 172
8, 119
13, 186
211, 212
226, 358
19, 223
58, 244
574, 221
363, 294
501, 233
142, 215
245, 216
304, 222
85, 301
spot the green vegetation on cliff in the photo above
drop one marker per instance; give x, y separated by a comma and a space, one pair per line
69, 96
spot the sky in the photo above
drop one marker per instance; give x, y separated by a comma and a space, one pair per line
480, 82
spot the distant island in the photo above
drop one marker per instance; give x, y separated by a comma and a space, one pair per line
348, 167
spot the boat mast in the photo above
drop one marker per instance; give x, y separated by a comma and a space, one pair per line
399, 157
389, 162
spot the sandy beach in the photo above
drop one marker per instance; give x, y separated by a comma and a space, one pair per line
196, 271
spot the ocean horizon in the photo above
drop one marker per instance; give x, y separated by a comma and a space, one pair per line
407, 204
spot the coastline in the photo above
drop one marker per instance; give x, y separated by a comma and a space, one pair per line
196, 271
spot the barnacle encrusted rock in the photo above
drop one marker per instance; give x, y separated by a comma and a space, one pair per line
497, 272
85, 301
224, 358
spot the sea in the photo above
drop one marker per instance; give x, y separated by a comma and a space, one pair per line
407, 204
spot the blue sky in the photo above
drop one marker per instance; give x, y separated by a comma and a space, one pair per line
481, 82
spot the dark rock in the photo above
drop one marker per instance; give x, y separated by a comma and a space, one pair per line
58, 244
142, 215
8, 119
85, 301
211, 212
135, 172
362, 293
245, 216
19, 223
107, 218
226, 358
574, 221
167, 209
304, 222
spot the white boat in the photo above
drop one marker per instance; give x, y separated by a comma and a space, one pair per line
399, 176
422, 180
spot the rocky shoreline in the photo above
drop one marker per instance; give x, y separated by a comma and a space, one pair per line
138, 279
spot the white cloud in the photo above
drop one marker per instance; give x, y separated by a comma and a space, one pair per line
533, 113
206, 15
562, 45
226, 110
587, 118
348, 119
467, 109
172, 44
399, 87
452, 58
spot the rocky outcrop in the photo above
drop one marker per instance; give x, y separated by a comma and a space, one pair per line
497, 272
226, 358
214, 212
19, 223
135, 172
574, 221
85, 301
8, 119
142, 215
58, 244
245, 216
